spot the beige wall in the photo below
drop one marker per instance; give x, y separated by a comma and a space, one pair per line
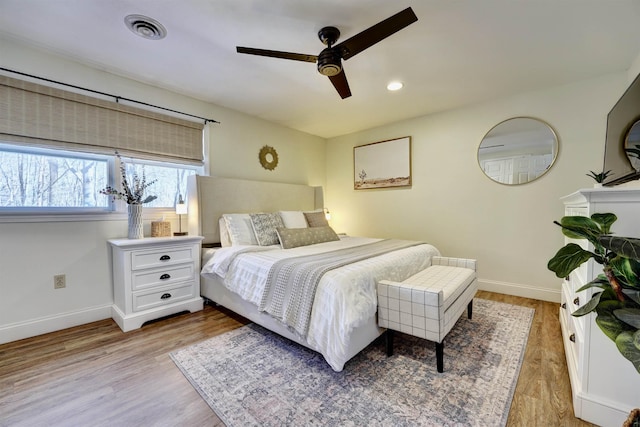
452, 205
33, 252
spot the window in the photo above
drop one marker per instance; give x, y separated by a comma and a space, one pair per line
40, 178
57, 150
45, 180
171, 180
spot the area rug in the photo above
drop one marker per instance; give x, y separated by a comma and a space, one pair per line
252, 377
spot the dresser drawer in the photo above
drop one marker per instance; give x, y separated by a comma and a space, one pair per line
146, 279
146, 300
572, 327
159, 257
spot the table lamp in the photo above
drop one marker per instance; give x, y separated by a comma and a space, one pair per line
181, 209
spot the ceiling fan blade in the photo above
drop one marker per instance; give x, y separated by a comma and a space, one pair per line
376, 33
277, 54
339, 81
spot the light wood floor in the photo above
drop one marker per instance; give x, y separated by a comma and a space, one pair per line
96, 375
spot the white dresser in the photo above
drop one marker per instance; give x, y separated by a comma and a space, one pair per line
154, 277
605, 385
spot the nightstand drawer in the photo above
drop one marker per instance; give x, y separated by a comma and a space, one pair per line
145, 301
159, 257
162, 276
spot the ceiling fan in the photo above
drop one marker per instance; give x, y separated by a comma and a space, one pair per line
330, 59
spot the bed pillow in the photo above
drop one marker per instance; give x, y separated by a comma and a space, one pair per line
293, 219
316, 219
264, 227
240, 229
295, 237
225, 240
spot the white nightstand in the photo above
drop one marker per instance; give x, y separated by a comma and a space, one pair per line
154, 277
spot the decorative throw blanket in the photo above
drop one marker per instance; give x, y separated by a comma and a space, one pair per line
291, 283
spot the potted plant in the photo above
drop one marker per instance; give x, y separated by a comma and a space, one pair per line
617, 301
133, 194
599, 177
617, 304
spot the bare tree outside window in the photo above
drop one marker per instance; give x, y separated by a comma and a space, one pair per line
36, 178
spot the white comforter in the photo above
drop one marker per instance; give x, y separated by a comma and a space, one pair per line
345, 297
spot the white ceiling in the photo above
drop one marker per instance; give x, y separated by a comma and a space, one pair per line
458, 53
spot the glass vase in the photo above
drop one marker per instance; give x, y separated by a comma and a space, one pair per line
135, 221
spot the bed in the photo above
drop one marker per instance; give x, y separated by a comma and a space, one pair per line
341, 318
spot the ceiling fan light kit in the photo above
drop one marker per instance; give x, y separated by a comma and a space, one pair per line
329, 61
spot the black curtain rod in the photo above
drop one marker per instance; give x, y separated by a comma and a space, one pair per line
117, 98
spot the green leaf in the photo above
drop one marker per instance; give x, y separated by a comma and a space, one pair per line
625, 246
568, 259
581, 227
627, 271
628, 344
599, 282
589, 306
608, 322
630, 316
605, 220
633, 295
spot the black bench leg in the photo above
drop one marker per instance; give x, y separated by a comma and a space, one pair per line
440, 356
470, 309
389, 342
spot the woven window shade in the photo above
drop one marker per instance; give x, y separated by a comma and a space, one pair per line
54, 118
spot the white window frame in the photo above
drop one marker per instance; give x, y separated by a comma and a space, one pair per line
115, 210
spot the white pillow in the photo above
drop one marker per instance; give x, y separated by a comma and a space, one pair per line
240, 229
225, 240
293, 219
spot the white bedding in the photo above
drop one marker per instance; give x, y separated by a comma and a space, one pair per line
345, 297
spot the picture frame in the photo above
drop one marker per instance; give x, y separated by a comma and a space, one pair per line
383, 164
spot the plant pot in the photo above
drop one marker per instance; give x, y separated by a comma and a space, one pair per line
135, 221
597, 185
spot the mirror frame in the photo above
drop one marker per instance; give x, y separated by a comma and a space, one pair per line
555, 148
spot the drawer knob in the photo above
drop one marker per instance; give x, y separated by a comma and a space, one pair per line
165, 276
165, 258
165, 296
576, 301
564, 305
572, 337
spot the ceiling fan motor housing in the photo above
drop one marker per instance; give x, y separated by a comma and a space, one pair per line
329, 62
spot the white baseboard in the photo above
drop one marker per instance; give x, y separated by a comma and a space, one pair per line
43, 325
516, 289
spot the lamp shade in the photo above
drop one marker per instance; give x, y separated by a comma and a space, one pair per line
327, 214
181, 207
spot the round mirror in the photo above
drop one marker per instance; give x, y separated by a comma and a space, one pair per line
518, 150
268, 157
632, 145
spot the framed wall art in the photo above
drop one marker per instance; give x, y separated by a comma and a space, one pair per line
384, 164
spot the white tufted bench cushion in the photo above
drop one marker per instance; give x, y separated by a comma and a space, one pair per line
429, 303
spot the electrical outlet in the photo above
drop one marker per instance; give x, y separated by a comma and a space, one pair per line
59, 281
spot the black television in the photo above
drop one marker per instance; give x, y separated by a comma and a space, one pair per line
620, 131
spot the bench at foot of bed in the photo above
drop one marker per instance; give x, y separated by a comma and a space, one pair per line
428, 304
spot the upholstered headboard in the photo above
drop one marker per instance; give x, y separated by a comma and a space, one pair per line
210, 197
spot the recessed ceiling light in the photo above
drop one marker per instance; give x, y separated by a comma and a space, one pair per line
395, 86
145, 27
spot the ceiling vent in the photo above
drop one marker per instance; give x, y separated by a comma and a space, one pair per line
145, 27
